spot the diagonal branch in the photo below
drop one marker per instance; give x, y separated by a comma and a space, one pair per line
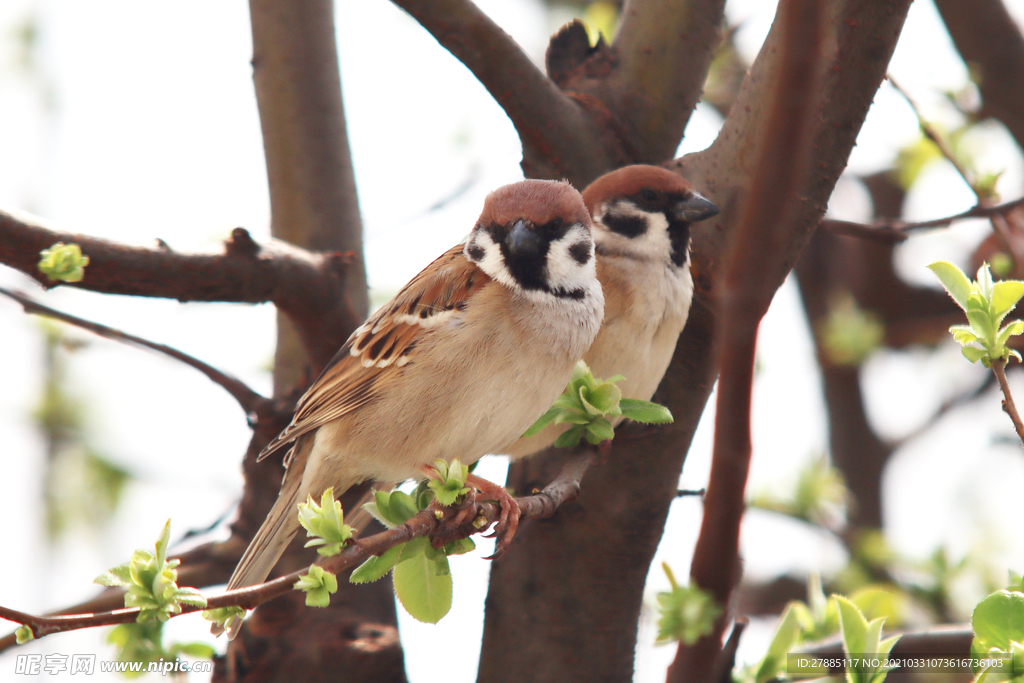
249, 400
538, 506
745, 291
305, 286
559, 139
664, 50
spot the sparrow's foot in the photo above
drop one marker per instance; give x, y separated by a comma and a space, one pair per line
508, 522
455, 516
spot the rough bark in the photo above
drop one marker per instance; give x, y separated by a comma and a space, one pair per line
313, 205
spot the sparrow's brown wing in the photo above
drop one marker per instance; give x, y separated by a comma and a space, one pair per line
384, 344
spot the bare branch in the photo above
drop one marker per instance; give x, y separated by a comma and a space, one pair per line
664, 50
559, 139
249, 400
999, 223
539, 506
889, 230
999, 369
304, 286
745, 292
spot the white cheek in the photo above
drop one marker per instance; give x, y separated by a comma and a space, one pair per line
563, 270
492, 263
653, 244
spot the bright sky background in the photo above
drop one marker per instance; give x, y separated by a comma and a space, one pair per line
138, 121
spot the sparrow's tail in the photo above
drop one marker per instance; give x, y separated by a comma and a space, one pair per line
278, 528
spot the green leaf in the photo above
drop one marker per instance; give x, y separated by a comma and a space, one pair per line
599, 430
115, 576
543, 421
377, 567
787, 634
999, 619
460, 547
318, 585
686, 613
983, 326
853, 624
605, 397
570, 438
964, 334
645, 411
974, 354
223, 616
424, 593
63, 262
954, 281
984, 281
402, 507
451, 482
1005, 296
1011, 329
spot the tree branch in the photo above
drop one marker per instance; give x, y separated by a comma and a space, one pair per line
664, 50
538, 506
313, 202
304, 286
559, 139
745, 292
999, 369
889, 230
249, 400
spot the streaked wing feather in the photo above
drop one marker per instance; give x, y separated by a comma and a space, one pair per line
385, 343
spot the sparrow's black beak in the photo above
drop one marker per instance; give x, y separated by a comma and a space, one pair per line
695, 209
522, 240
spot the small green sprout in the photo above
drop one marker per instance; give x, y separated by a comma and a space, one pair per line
63, 262
318, 586
151, 581
23, 634
422, 577
849, 334
325, 524
224, 617
861, 636
686, 613
451, 484
986, 304
590, 404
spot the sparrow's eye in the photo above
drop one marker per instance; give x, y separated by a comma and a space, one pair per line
553, 228
648, 194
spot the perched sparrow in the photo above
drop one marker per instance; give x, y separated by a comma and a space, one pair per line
642, 217
459, 364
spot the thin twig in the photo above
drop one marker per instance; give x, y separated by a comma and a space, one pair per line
539, 506
889, 230
999, 223
250, 401
999, 368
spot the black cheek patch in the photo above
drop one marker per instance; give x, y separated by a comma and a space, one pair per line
581, 252
630, 226
475, 252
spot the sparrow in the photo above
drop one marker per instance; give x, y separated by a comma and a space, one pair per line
642, 216
459, 364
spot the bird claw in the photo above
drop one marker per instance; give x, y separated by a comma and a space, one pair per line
508, 521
